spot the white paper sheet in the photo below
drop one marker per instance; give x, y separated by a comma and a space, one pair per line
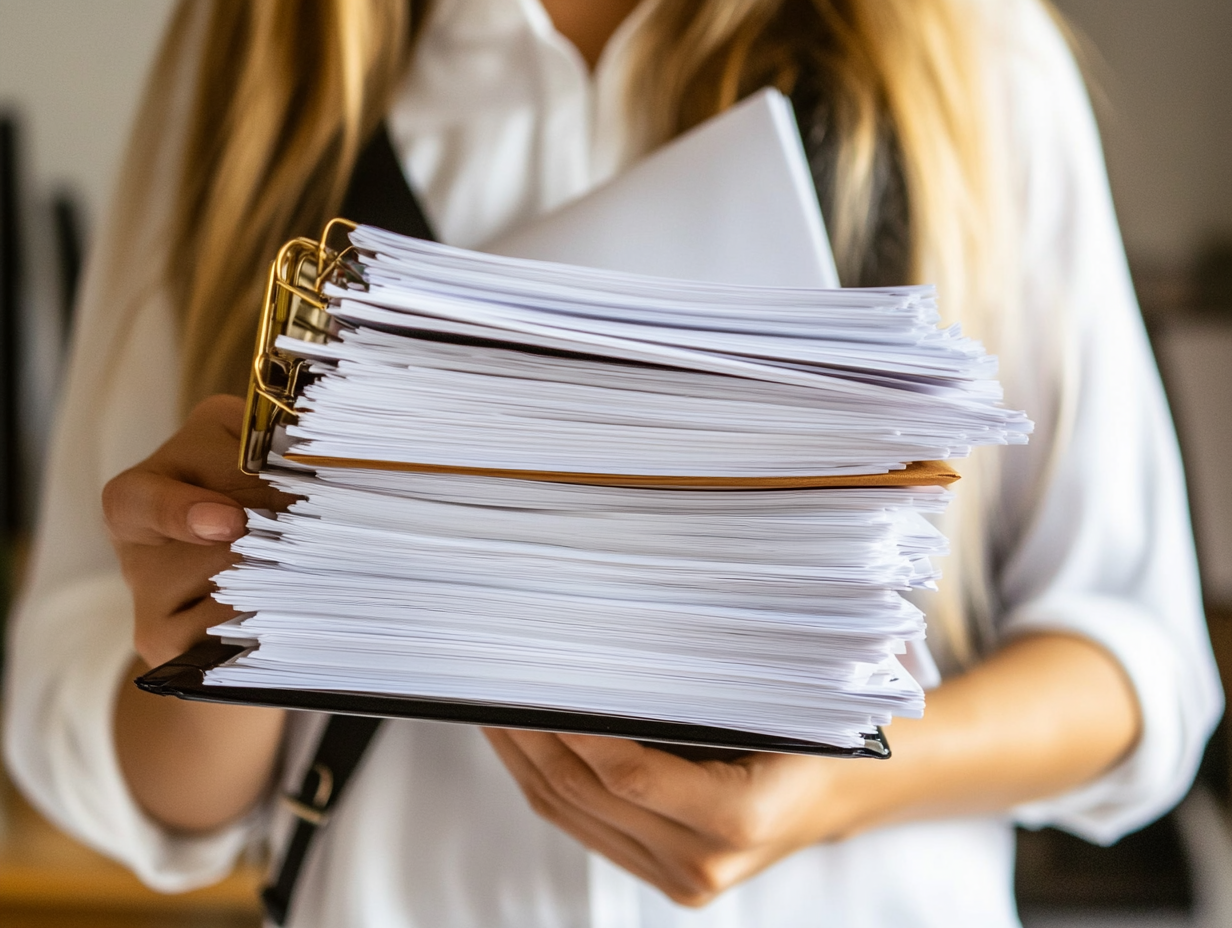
732, 201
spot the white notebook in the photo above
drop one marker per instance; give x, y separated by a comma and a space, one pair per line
732, 202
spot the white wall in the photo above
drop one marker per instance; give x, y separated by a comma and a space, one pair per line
74, 70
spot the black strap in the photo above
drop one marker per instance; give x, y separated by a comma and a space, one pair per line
343, 744
378, 195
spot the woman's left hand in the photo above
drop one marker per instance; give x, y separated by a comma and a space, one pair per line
1044, 714
691, 829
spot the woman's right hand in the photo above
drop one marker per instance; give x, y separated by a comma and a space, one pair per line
172, 518
192, 766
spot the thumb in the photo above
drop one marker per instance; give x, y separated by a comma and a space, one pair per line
147, 508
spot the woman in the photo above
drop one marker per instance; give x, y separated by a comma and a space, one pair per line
951, 141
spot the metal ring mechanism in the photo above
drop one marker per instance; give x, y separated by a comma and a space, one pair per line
294, 306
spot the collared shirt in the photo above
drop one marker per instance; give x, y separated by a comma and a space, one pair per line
497, 122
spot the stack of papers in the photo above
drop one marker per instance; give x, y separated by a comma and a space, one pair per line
420, 560
463, 359
774, 612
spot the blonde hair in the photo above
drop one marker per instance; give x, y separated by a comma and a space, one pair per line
287, 92
285, 95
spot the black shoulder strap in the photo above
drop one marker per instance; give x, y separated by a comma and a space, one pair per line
343, 744
378, 195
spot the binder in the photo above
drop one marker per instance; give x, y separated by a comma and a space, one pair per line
295, 307
183, 677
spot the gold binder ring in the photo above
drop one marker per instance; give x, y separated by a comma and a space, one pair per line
331, 261
295, 306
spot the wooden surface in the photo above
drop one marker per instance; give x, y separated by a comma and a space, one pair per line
1219, 622
47, 879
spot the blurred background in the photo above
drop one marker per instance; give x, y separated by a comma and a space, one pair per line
70, 75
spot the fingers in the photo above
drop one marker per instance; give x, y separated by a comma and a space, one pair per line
146, 508
171, 518
205, 450
694, 795
572, 780
738, 807
191, 489
214, 521
223, 409
620, 848
569, 782
168, 578
563, 789
162, 636
205, 453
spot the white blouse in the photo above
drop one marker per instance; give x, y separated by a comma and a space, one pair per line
498, 121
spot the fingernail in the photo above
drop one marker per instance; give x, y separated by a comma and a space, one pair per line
216, 522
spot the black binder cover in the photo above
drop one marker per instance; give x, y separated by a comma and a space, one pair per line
184, 677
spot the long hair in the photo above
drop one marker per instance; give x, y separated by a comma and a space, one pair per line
288, 91
285, 96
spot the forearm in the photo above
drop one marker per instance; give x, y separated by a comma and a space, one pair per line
1045, 714
194, 766
172, 518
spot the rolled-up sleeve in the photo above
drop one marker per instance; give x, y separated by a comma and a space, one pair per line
1105, 549
71, 650
70, 636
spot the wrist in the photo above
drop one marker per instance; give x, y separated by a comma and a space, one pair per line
856, 795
